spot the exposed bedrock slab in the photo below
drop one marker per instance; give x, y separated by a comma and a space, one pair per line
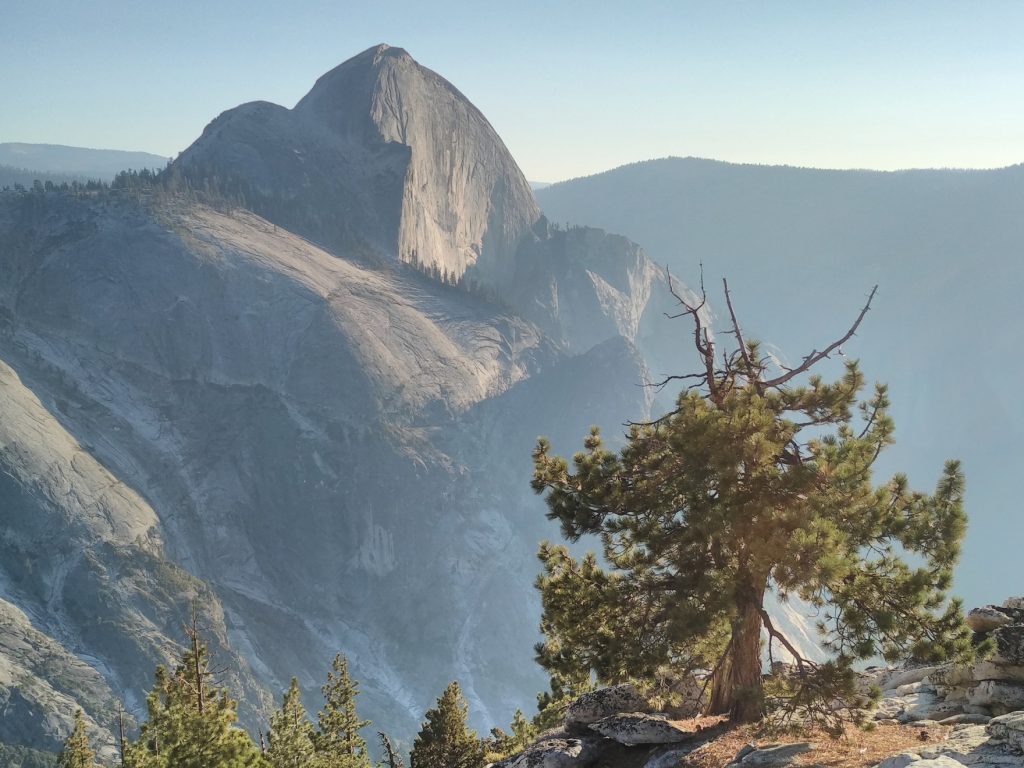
602, 703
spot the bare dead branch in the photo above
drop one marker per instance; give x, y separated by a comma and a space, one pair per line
801, 662
701, 336
661, 383
752, 374
815, 356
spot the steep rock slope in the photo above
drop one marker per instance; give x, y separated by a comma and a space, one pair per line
98, 604
41, 683
299, 425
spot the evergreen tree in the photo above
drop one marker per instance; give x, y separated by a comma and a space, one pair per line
523, 733
76, 752
192, 722
338, 741
551, 704
501, 744
391, 757
445, 741
291, 733
758, 482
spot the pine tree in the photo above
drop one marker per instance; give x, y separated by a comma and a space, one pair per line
758, 482
291, 733
76, 752
445, 741
391, 757
562, 691
338, 740
502, 744
523, 732
192, 722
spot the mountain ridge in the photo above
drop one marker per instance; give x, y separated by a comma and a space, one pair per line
304, 421
329, 436
943, 247
780, 166
81, 162
405, 132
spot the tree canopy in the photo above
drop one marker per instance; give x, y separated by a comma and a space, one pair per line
338, 742
757, 484
291, 734
192, 721
445, 741
76, 752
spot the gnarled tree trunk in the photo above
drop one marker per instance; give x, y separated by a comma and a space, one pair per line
736, 685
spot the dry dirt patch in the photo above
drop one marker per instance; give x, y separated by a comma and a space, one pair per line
857, 748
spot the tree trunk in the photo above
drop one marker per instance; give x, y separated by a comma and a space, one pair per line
736, 686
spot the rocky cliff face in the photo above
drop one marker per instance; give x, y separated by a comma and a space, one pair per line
384, 160
465, 202
333, 456
389, 155
92, 602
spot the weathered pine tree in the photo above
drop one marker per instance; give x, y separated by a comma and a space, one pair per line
291, 733
758, 483
445, 741
192, 722
76, 752
338, 743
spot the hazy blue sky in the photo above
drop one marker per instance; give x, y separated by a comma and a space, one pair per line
572, 87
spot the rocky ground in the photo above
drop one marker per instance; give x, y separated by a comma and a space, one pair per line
940, 716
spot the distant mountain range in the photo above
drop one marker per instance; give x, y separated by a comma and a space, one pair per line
802, 247
22, 163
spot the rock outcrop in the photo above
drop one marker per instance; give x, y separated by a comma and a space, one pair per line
604, 702
615, 726
984, 703
990, 687
632, 728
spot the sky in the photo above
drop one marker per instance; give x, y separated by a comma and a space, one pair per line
573, 88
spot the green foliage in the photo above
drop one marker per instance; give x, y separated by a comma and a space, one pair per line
291, 733
16, 756
753, 484
338, 742
192, 722
142, 180
551, 704
445, 741
501, 744
76, 752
